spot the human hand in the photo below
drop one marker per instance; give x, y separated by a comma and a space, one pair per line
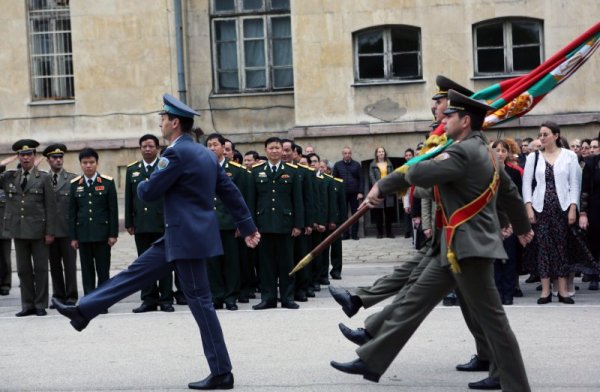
252, 240
524, 239
112, 241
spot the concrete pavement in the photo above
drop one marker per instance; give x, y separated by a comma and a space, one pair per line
286, 350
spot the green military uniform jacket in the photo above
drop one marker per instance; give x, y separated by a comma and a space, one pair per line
62, 192
308, 195
240, 177
145, 217
276, 198
30, 213
339, 214
322, 184
93, 213
463, 172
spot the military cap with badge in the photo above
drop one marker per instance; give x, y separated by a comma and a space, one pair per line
55, 150
25, 146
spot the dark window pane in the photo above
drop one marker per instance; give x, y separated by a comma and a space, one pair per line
406, 65
525, 33
227, 56
370, 67
255, 53
490, 60
405, 40
224, 5
490, 35
282, 52
250, 5
253, 28
228, 81
281, 27
526, 59
370, 42
283, 78
280, 4
225, 30
256, 79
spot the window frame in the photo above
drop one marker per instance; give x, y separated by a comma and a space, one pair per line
507, 46
388, 55
239, 16
58, 10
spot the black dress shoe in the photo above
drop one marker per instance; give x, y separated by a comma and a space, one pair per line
143, 308
310, 294
290, 305
167, 308
264, 305
391, 236
300, 298
488, 383
231, 306
532, 279
545, 300
474, 365
316, 286
180, 299
518, 293
357, 336
252, 296
565, 300
356, 367
26, 312
324, 281
355, 237
221, 381
350, 303
593, 286
4, 291
78, 321
336, 276
507, 301
40, 312
379, 236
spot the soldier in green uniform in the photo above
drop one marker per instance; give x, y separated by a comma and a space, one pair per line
275, 197
303, 242
63, 258
338, 216
30, 219
145, 221
5, 245
224, 271
93, 220
468, 182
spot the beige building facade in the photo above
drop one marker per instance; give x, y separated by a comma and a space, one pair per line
329, 73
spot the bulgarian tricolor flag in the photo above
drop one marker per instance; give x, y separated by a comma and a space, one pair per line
514, 97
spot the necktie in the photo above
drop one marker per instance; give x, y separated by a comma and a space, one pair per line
274, 169
149, 169
54, 180
24, 182
90, 182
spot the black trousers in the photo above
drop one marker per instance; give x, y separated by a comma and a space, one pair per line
95, 260
352, 206
381, 215
63, 269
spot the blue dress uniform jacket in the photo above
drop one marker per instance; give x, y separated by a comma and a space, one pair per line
191, 226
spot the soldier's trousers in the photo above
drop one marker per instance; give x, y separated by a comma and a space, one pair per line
224, 270
6, 274
32, 268
275, 254
63, 269
95, 259
476, 284
160, 292
302, 245
336, 257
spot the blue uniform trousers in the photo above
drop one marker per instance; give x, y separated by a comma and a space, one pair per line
150, 267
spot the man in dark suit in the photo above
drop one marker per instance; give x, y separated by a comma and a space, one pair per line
93, 220
145, 221
465, 174
63, 258
187, 178
30, 219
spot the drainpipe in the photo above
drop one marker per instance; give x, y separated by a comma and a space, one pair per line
179, 43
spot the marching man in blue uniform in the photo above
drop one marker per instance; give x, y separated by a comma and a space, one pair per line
187, 177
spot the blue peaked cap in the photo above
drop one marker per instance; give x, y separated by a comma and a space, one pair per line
172, 105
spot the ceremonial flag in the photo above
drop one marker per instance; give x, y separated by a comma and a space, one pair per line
517, 96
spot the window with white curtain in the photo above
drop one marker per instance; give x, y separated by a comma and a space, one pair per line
50, 50
507, 46
252, 45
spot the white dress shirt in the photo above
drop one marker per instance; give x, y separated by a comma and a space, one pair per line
567, 179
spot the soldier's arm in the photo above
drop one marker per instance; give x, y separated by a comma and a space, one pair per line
234, 202
129, 195
449, 166
113, 212
50, 206
73, 213
298, 201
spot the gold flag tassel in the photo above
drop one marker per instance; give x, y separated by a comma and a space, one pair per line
453, 261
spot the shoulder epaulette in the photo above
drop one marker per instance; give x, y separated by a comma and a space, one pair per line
234, 163
292, 165
133, 163
338, 179
76, 179
106, 177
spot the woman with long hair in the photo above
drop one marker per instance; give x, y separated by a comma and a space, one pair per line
380, 167
551, 196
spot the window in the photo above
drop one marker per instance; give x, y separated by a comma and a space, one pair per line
504, 47
50, 50
390, 53
252, 45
